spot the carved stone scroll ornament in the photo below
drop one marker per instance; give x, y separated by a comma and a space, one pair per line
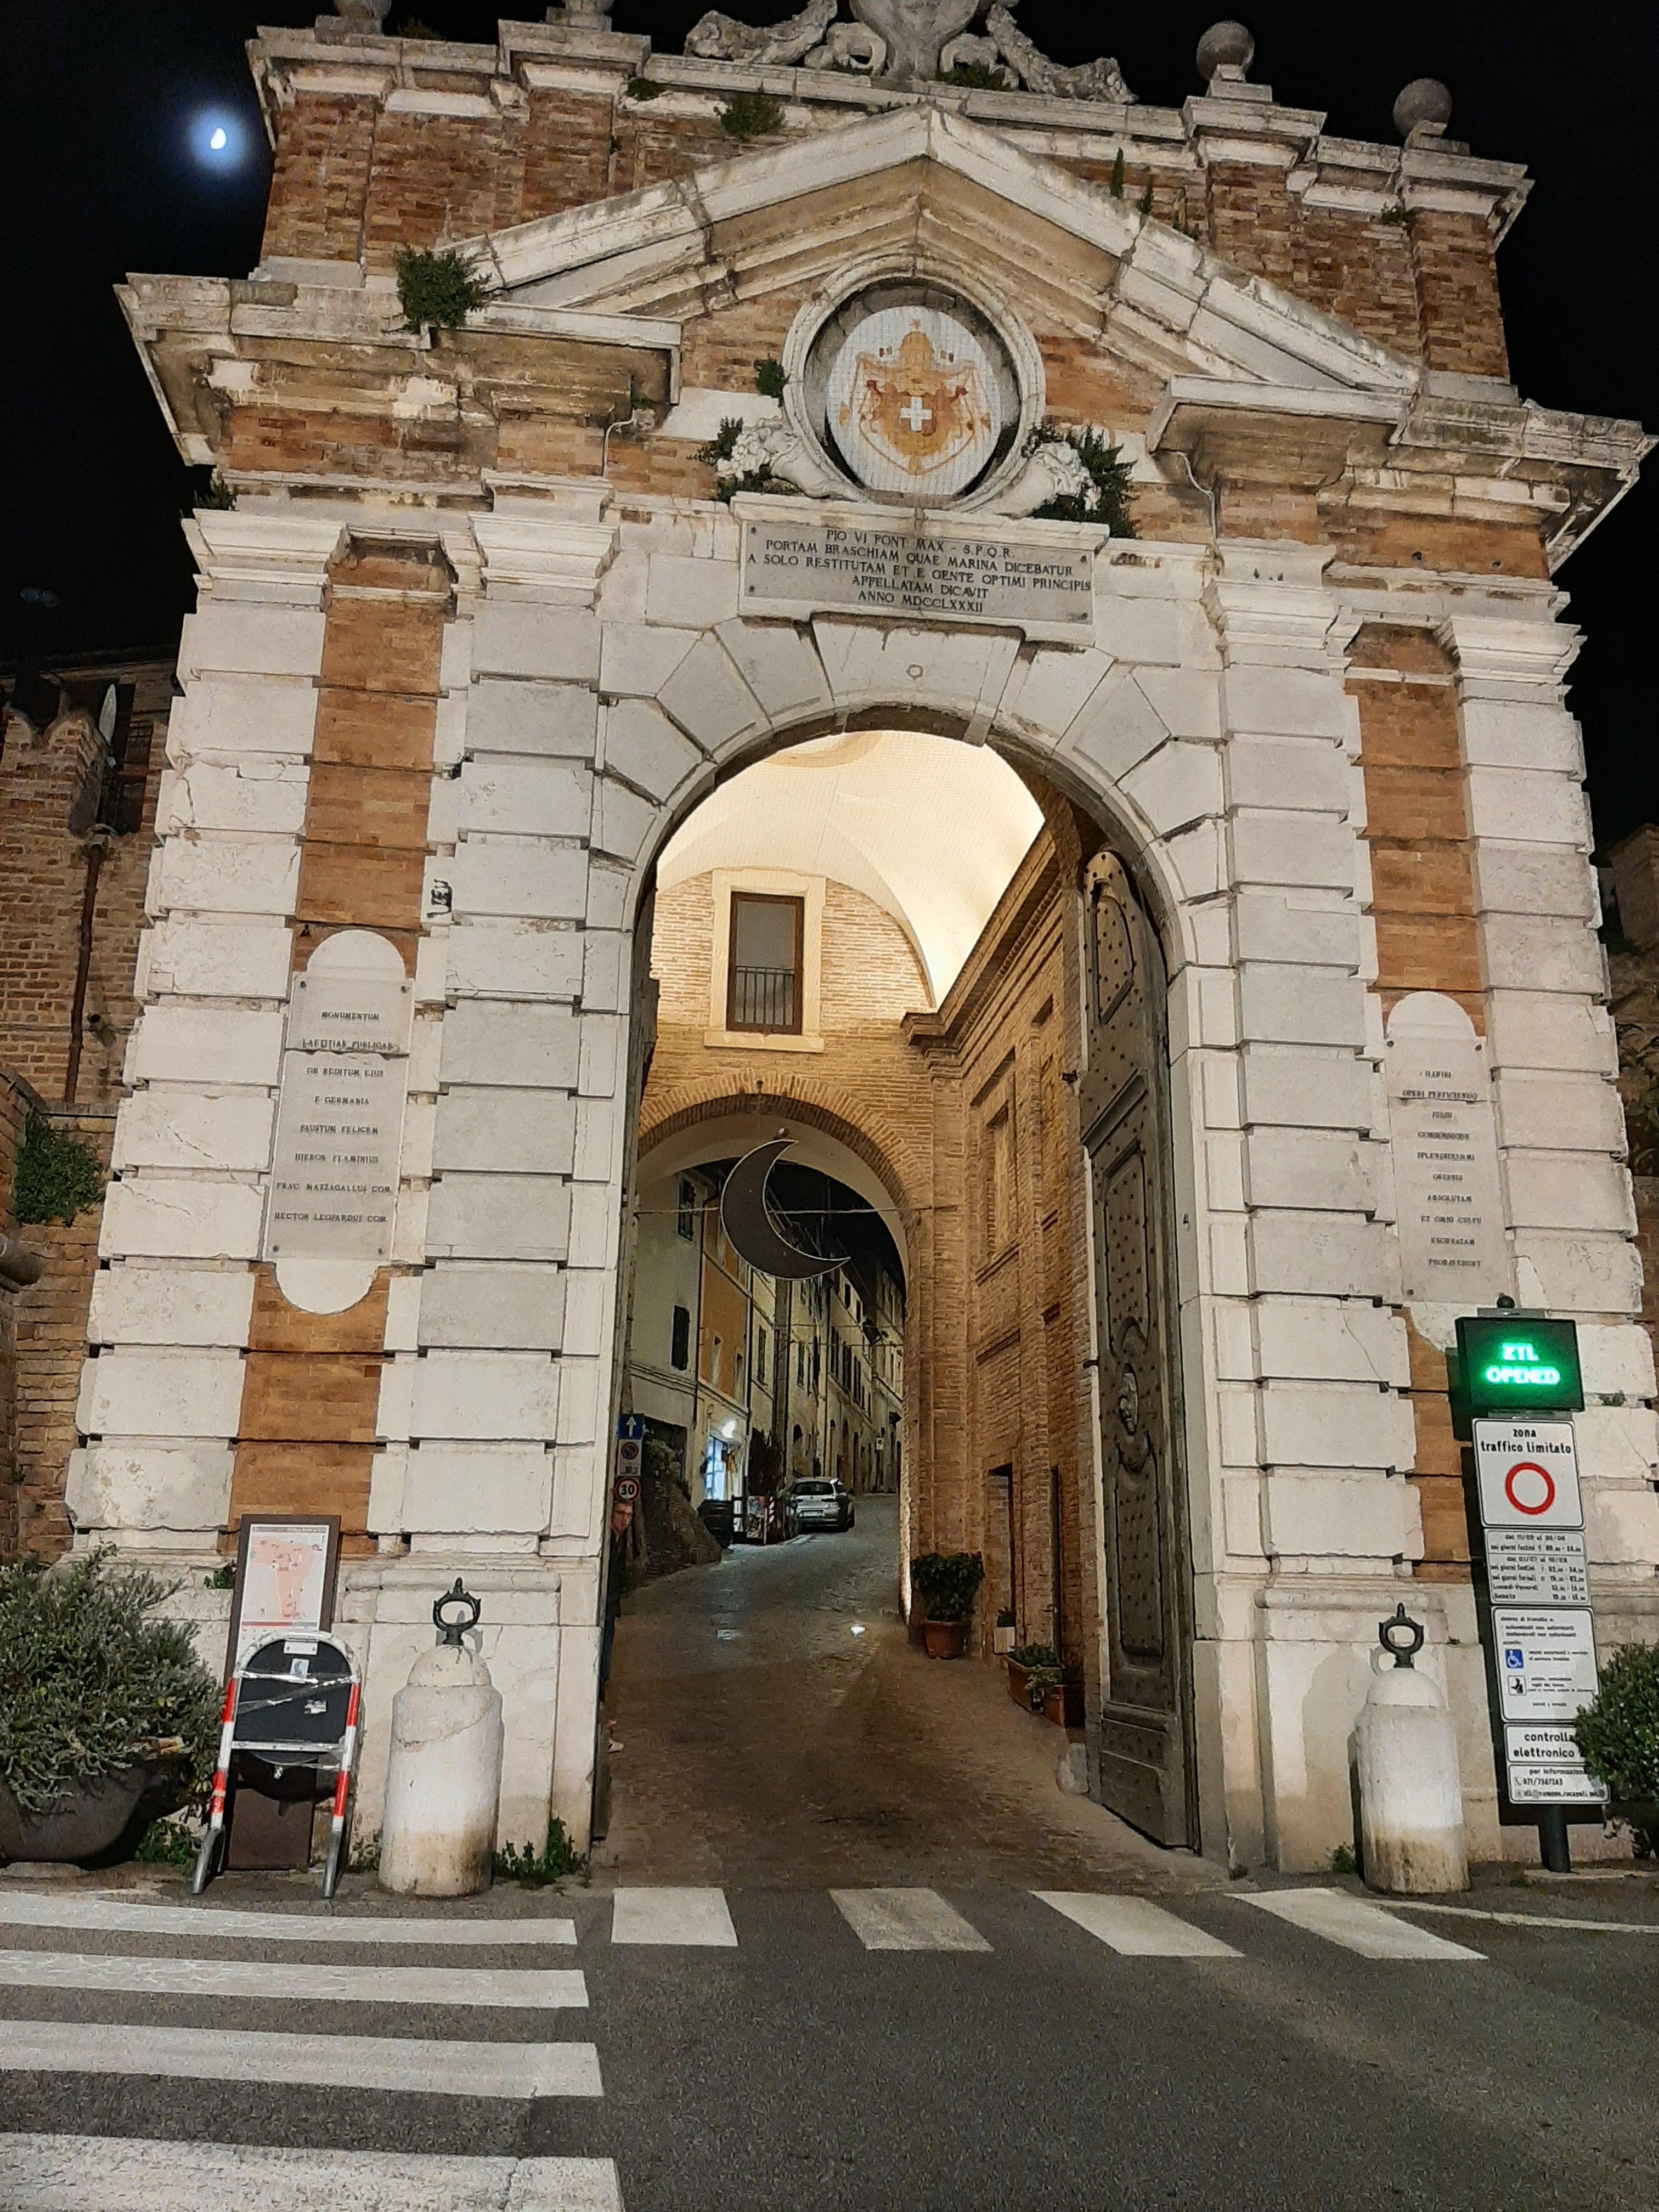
1098, 79
850, 47
971, 54
915, 31
776, 447
717, 38
1055, 470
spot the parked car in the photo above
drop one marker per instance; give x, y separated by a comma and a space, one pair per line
817, 1504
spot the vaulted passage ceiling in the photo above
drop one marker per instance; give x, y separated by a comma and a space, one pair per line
930, 829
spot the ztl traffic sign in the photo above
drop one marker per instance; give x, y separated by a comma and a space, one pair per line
1528, 1473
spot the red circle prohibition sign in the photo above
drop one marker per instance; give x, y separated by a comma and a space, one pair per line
1530, 1466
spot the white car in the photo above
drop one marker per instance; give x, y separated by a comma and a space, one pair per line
816, 1504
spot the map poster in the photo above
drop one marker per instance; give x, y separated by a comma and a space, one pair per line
284, 1582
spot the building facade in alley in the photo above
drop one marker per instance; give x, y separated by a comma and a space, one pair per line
837, 382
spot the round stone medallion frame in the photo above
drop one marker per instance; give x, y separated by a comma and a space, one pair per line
1024, 358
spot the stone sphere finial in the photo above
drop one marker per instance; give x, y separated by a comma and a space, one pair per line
1424, 100
1224, 46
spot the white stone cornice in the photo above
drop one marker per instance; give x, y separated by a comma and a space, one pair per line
552, 548
1499, 657
277, 554
1269, 604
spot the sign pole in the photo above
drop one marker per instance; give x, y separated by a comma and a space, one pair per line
1520, 1387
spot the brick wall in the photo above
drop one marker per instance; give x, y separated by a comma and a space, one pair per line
354, 180
1422, 904
54, 783
973, 1098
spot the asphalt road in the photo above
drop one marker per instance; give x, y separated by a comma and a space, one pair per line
778, 2062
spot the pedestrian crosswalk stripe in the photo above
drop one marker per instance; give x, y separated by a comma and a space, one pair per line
341, 2061
672, 1916
194, 1923
117, 2173
1356, 1926
906, 1920
281, 1981
1134, 1925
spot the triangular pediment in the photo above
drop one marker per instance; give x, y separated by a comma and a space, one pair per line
932, 185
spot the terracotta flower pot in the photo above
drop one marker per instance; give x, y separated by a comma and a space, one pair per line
1020, 1685
946, 1639
1062, 1704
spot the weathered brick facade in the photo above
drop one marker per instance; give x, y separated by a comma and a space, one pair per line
77, 819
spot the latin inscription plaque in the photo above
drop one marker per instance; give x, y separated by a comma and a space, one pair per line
939, 571
330, 1012
1452, 1250
334, 1180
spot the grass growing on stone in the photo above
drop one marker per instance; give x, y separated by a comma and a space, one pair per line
751, 115
439, 289
557, 1857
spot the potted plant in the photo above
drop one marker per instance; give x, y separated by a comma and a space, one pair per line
1061, 1696
1618, 1737
915, 1620
108, 1718
1026, 1661
1002, 1636
948, 1581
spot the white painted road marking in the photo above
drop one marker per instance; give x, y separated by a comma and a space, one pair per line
1528, 1919
906, 1920
195, 1923
1133, 1925
1356, 1926
282, 1981
342, 2062
672, 1916
117, 2173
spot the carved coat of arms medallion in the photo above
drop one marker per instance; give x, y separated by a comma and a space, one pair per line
912, 402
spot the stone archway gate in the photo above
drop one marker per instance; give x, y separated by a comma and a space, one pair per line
553, 691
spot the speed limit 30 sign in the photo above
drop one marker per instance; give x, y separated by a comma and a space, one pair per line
1527, 1472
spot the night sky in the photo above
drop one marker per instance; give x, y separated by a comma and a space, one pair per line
102, 95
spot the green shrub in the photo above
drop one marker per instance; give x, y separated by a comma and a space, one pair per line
948, 1581
89, 1681
1107, 500
439, 289
57, 1177
558, 1857
167, 1843
769, 378
1035, 1655
751, 115
1617, 1732
719, 447
644, 88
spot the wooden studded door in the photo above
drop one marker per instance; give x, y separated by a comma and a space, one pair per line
1145, 1735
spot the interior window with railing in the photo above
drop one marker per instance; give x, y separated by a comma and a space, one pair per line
764, 980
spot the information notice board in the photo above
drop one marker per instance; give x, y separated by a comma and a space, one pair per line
1535, 1599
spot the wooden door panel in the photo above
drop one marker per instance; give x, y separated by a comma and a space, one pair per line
1145, 1723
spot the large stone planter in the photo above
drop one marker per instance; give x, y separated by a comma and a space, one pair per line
88, 1822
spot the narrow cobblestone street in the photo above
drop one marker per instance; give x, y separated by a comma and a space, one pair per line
778, 1728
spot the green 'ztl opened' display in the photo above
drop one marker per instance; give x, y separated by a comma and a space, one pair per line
1519, 1363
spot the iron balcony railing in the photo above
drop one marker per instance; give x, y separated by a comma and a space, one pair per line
763, 999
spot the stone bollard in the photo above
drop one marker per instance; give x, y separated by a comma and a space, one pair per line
444, 1777
1410, 1797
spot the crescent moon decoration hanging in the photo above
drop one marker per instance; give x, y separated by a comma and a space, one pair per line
747, 1220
